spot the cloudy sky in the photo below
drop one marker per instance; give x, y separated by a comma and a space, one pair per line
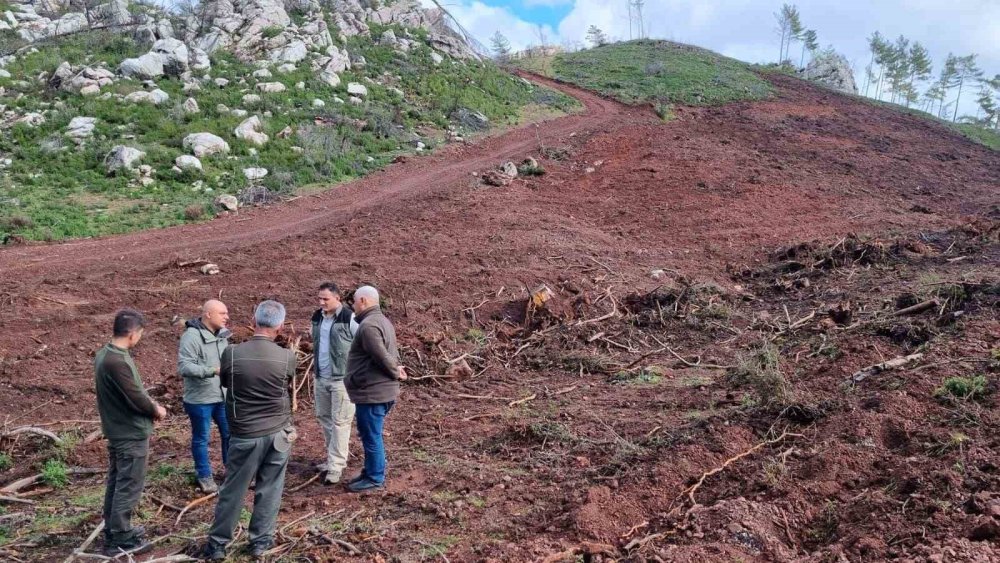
744, 29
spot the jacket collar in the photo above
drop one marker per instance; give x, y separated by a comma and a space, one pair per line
373, 312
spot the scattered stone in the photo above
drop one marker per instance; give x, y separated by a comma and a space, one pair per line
213, 269
191, 87
286, 68
81, 127
251, 99
190, 105
271, 87
155, 97
356, 100
255, 173
471, 119
146, 67
251, 131
227, 202
318, 103
436, 57
188, 162
239, 112
657, 274
205, 144
221, 82
496, 178
88, 90
300, 85
509, 169
285, 133
355, 89
198, 60
262, 73
331, 78
121, 157
337, 100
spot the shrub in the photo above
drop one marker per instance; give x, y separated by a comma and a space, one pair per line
965, 388
530, 170
194, 212
761, 371
15, 222
271, 31
6, 461
55, 474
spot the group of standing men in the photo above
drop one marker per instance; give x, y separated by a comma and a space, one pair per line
245, 390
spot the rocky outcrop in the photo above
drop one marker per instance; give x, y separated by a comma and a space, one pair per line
831, 70
80, 128
261, 30
169, 57
251, 131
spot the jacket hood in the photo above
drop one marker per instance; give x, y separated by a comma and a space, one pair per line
196, 323
200, 326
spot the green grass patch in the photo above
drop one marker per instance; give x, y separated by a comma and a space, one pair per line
981, 135
6, 461
661, 72
55, 474
646, 376
964, 388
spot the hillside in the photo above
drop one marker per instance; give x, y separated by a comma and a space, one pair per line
97, 118
771, 334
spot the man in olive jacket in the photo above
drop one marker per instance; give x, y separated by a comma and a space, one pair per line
127, 414
373, 376
333, 330
198, 358
257, 374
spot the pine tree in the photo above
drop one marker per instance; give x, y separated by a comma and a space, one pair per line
809, 41
898, 66
920, 69
500, 46
947, 80
596, 36
966, 70
798, 30
875, 43
788, 21
989, 101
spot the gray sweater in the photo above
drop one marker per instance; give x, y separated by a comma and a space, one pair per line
198, 359
373, 362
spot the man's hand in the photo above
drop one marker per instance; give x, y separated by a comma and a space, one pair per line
401, 374
161, 413
216, 370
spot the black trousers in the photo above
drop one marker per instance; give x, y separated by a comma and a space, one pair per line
126, 477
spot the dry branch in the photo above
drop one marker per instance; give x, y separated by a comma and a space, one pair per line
304, 485
32, 430
524, 400
884, 366
194, 503
918, 308
689, 492
16, 500
35, 479
86, 543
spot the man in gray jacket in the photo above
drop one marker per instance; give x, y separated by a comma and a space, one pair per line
333, 330
373, 376
258, 405
198, 358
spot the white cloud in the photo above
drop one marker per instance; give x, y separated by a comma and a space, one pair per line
482, 21
545, 3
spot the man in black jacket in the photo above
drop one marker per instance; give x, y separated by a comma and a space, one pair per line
373, 376
127, 415
257, 374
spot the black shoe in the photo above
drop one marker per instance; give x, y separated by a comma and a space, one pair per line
138, 547
213, 552
360, 477
363, 485
258, 550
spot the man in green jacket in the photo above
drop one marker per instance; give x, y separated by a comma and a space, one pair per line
198, 358
333, 330
373, 376
258, 374
127, 414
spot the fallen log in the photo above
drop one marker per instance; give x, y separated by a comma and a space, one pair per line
193, 504
884, 366
35, 479
918, 308
32, 430
16, 500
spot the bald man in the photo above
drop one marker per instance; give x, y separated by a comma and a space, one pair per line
198, 359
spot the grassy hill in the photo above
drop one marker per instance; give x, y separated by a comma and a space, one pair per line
53, 189
660, 72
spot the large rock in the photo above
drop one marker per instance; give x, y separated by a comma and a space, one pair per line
271, 87
173, 55
251, 131
122, 156
227, 202
471, 119
81, 127
330, 77
155, 97
831, 70
294, 52
198, 59
187, 162
190, 105
146, 67
32, 119
255, 173
205, 144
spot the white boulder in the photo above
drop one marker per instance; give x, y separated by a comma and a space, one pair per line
356, 89
251, 131
81, 127
271, 87
187, 162
122, 156
255, 173
205, 144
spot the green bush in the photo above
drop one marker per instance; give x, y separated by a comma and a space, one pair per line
760, 370
55, 474
6, 461
965, 388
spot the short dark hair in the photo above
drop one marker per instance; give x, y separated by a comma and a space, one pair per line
128, 321
331, 287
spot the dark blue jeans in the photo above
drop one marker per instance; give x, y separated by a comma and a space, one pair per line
370, 419
201, 428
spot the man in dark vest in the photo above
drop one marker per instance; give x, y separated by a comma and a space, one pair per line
257, 374
127, 415
333, 330
373, 376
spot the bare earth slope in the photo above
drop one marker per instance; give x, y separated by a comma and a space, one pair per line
587, 463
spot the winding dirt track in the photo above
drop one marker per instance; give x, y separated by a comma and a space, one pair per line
375, 193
